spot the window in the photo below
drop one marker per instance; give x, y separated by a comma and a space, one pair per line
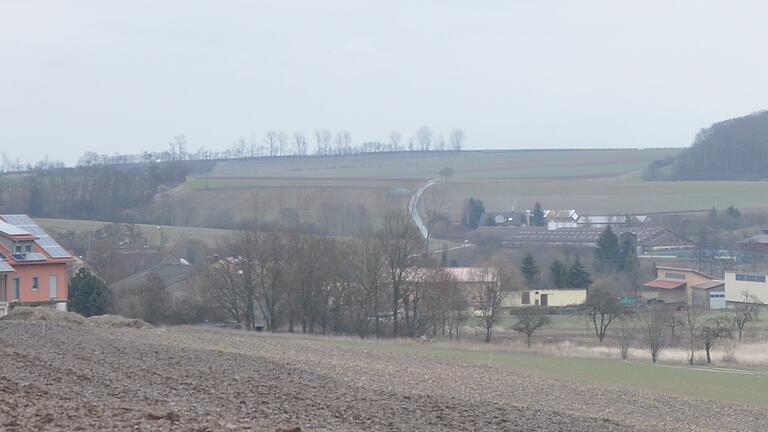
16, 288
526, 298
17, 249
750, 278
680, 276
35, 283
28, 248
715, 296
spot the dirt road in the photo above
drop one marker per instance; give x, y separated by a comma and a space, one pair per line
196, 379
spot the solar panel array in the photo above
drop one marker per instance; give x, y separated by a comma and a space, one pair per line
48, 244
5, 267
30, 256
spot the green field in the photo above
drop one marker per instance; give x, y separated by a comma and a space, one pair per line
467, 165
590, 181
693, 383
343, 187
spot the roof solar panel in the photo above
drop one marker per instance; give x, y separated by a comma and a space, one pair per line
46, 242
32, 256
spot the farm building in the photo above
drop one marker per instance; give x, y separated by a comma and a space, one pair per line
750, 287
648, 239
178, 277
756, 244
33, 267
684, 286
546, 297
175, 274
614, 221
557, 219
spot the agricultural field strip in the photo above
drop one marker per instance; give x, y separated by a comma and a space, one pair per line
737, 387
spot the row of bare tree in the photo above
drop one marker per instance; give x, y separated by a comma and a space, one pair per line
278, 143
381, 283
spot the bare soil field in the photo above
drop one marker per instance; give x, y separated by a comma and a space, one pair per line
55, 377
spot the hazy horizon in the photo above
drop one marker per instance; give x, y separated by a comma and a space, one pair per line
129, 76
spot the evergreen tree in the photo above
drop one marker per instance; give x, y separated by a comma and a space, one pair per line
578, 276
473, 213
537, 216
607, 252
628, 254
530, 270
559, 272
88, 294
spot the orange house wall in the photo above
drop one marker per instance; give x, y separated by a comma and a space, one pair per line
26, 273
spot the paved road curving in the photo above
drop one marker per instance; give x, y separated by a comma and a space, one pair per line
413, 205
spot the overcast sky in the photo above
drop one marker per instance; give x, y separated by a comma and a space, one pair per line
125, 76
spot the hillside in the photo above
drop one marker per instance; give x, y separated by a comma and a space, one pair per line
734, 149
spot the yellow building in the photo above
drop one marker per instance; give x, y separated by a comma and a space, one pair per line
740, 285
546, 297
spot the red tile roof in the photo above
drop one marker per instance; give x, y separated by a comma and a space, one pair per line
664, 284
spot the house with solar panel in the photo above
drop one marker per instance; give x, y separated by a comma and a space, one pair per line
33, 267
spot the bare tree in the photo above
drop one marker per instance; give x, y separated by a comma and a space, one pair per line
745, 312
498, 281
367, 271
424, 138
271, 142
602, 307
528, 321
692, 317
446, 173
655, 326
457, 139
225, 288
322, 142
400, 243
713, 330
299, 144
626, 335
261, 261
282, 143
394, 141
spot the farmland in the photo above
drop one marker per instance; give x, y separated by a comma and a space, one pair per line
197, 378
341, 193
592, 181
172, 234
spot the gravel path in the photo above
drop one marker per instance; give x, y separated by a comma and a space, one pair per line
196, 379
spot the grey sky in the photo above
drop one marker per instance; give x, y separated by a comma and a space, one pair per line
128, 75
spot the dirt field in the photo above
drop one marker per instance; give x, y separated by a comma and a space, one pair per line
197, 379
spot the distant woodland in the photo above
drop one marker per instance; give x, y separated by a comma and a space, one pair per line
90, 192
734, 149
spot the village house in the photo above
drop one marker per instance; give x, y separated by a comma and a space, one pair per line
33, 267
684, 286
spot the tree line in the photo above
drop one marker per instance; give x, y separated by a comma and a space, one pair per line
274, 143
